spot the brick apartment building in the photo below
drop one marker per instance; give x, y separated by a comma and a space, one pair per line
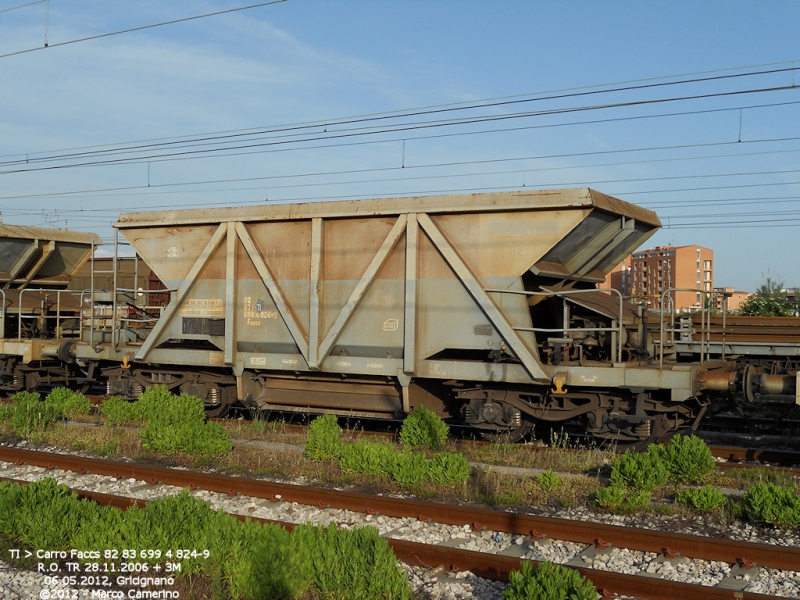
647, 274
735, 299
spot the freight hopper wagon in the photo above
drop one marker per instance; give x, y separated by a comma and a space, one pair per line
480, 307
483, 308
40, 317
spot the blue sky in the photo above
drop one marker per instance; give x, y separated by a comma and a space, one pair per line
721, 170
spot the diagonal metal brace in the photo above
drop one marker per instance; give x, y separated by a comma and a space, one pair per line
475, 289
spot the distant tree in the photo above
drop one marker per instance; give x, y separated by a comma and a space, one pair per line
769, 301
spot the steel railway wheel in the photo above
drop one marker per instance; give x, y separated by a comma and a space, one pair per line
510, 436
219, 401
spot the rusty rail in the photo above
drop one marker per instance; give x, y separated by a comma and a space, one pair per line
784, 459
778, 557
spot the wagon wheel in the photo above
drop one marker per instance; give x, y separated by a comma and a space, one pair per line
661, 434
510, 435
228, 397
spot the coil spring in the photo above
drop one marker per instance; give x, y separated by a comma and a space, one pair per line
109, 388
135, 389
643, 429
514, 417
214, 396
18, 380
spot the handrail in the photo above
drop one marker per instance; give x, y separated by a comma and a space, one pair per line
3, 315
705, 329
618, 330
45, 292
115, 269
114, 317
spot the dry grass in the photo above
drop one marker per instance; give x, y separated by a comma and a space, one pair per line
558, 458
103, 441
485, 486
263, 429
744, 478
492, 487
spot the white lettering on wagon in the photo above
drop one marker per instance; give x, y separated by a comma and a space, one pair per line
206, 307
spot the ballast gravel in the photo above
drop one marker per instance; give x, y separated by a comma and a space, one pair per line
436, 583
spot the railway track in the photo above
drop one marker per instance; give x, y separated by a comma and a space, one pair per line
597, 538
735, 457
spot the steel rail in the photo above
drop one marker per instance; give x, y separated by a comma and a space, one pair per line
493, 566
787, 461
734, 454
706, 548
784, 458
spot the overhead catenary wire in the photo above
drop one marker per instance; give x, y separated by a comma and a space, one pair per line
140, 28
331, 124
462, 121
136, 160
154, 157
27, 4
156, 189
456, 104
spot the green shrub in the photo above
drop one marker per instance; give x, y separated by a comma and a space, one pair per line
702, 499
68, 403
118, 411
774, 504
447, 468
548, 480
246, 559
39, 514
7, 413
324, 441
171, 423
424, 429
31, 415
548, 582
687, 457
158, 402
643, 472
25, 397
617, 498
352, 565
410, 469
192, 437
368, 457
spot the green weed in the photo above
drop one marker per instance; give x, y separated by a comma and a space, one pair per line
369, 458
245, 559
118, 411
69, 403
410, 470
687, 457
639, 471
548, 582
192, 437
774, 504
548, 480
704, 499
324, 439
617, 498
31, 415
424, 429
447, 468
